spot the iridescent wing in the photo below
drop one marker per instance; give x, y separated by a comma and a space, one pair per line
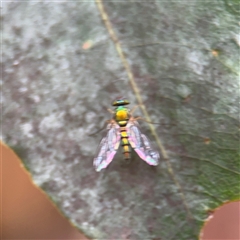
140, 143
107, 148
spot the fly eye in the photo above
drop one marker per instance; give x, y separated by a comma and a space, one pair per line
120, 102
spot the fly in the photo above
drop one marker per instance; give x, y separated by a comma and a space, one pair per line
123, 128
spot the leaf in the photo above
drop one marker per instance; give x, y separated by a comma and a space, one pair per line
63, 65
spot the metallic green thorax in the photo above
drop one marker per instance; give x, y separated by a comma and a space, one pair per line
121, 116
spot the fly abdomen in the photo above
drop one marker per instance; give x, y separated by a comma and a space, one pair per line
122, 123
125, 143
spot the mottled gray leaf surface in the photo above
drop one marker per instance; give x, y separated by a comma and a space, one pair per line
184, 56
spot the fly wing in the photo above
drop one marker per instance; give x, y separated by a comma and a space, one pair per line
107, 148
141, 144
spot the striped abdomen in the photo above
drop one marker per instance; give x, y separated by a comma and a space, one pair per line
125, 143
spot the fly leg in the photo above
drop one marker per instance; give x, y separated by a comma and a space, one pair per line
143, 119
104, 127
133, 109
110, 110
